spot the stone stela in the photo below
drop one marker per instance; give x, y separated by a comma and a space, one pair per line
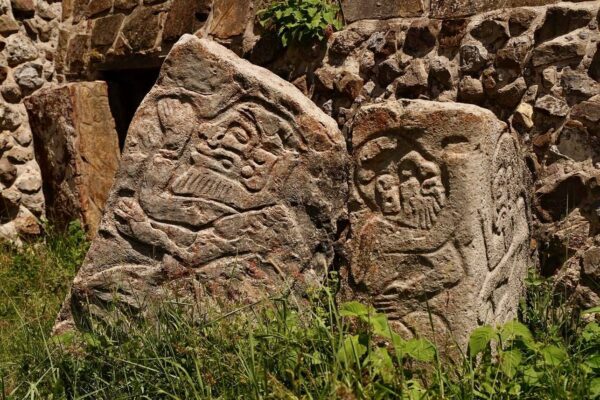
439, 218
231, 185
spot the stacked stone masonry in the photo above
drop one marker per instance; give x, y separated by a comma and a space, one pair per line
535, 68
28, 41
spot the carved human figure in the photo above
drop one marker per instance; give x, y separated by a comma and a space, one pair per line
207, 194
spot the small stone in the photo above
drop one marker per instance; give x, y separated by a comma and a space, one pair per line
96, 7
29, 77
550, 77
3, 73
470, 90
19, 48
9, 204
34, 202
22, 136
106, 29
552, 105
349, 84
8, 172
125, 4
510, 95
591, 263
414, 80
346, 41
11, 93
8, 25
452, 32
19, 155
5, 142
141, 28
515, 53
578, 84
440, 70
520, 20
30, 183
523, 117
560, 50
472, 58
27, 224
491, 33
48, 11
421, 37
23, 8
389, 70
588, 112
10, 119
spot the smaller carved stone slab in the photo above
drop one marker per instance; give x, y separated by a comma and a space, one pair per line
439, 217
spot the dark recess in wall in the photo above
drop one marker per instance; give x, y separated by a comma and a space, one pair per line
126, 90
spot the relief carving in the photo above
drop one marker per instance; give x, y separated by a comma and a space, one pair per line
422, 183
229, 190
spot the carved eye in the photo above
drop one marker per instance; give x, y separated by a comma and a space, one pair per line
240, 134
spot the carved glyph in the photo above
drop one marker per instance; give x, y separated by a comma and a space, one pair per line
231, 186
439, 218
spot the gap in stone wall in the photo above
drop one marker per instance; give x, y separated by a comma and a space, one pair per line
126, 90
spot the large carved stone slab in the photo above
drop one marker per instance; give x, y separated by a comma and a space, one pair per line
439, 218
231, 185
77, 147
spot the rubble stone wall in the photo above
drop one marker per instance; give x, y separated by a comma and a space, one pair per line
28, 40
536, 68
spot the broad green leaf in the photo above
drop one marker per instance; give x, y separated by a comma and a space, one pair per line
593, 361
420, 349
480, 339
595, 388
379, 324
509, 361
532, 377
591, 332
381, 361
351, 350
593, 310
513, 330
553, 355
354, 309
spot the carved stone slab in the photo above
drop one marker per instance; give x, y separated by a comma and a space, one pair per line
439, 218
231, 185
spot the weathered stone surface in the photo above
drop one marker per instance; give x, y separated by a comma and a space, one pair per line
231, 185
24, 8
230, 18
182, 18
77, 149
106, 29
355, 10
98, 6
19, 48
29, 76
440, 217
141, 28
8, 25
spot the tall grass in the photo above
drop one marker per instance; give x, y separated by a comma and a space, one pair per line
274, 350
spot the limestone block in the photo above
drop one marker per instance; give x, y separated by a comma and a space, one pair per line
77, 149
229, 18
439, 218
355, 10
231, 186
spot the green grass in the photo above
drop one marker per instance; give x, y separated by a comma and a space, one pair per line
274, 351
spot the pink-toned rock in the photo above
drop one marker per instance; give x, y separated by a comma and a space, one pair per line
439, 227
77, 149
231, 187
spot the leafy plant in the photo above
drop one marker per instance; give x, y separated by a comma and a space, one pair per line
301, 20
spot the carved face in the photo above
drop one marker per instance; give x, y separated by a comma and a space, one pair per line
243, 144
400, 183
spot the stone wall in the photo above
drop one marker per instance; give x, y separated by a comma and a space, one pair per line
119, 34
536, 68
29, 37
